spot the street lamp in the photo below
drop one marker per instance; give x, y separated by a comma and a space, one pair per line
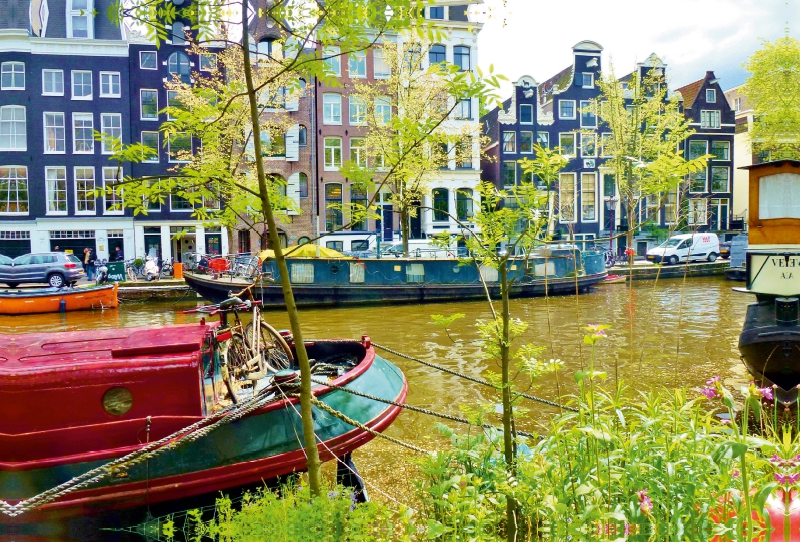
611, 207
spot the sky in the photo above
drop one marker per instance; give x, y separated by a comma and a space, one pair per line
535, 37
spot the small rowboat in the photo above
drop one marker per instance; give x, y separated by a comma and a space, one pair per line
78, 409
614, 279
40, 300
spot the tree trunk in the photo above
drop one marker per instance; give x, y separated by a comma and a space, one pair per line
630, 210
509, 450
309, 437
405, 228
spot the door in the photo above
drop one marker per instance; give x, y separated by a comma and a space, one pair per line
15, 247
415, 231
682, 250
385, 223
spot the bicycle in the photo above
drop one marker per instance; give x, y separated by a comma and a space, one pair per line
248, 356
167, 268
132, 271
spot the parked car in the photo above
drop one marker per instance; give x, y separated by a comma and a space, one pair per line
5, 260
725, 249
53, 268
679, 248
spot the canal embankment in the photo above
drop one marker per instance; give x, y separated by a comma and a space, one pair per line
643, 270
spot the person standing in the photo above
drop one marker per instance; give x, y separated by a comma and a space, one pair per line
118, 256
88, 263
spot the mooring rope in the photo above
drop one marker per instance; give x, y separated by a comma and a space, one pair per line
472, 378
419, 409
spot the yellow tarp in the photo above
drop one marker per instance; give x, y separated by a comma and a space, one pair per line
307, 250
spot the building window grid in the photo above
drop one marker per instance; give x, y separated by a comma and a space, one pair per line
698, 181
358, 152
461, 58
566, 198
566, 141
56, 190
721, 150
112, 195
697, 148
357, 64
111, 130
463, 110
52, 82
148, 60
437, 54
54, 133
383, 110
711, 96
85, 200
13, 131
526, 142
710, 119
81, 85
333, 60
333, 153
79, 234
333, 203
332, 108
178, 65
148, 104
588, 116
543, 139
587, 80
588, 145
566, 109
179, 147
510, 142
110, 85
441, 204
12, 76
698, 212
82, 133
150, 139
381, 68
509, 173
588, 197
720, 179
11, 234
526, 114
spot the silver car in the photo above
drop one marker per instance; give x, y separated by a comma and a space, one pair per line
54, 268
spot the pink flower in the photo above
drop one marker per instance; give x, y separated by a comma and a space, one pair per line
709, 392
735, 473
787, 479
713, 380
766, 393
725, 421
645, 504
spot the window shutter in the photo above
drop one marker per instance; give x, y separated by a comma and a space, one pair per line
293, 191
293, 143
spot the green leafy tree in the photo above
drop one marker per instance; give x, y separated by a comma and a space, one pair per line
773, 91
647, 128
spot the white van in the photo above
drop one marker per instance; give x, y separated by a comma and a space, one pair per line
698, 246
418, 248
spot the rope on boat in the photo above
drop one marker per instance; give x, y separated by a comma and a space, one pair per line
189, 433
335, 413
472, 378
418, 409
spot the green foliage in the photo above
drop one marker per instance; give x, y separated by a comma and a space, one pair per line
293, 514
773, 91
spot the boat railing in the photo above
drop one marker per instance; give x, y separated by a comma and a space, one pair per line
242, 265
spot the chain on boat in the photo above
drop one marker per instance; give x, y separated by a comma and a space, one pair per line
471, 378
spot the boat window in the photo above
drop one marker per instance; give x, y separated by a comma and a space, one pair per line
489, 274
302, 273
415, 272
357, 272
778, 197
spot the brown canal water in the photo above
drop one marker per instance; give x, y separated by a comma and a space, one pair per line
662, 333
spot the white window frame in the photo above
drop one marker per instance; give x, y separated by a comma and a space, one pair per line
44, 78
503, 172
533, 142
154, 53
81, 116
12, 65
574, 110
529, 106
63, 137
110, 76
713, 114
84, 13
379, 56
157, 158
51, 203
583, 80
587, 104
705, 186
383, 105
596, 198
27, 190
690, 216
574, 137
542, 136
574, 198
330, 102
584, 137
360, 151
91, 84
711, 96
360, 58
511, 142
87, 202
333, 166
333, 59
727, 145
358, 106
696, 141
141, 111
675, 214
727, 184
603, 137
14, 123
169, 149
112, 174
174, 95
103, 130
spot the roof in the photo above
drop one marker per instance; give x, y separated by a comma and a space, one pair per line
557, 83
775, 163
689, 92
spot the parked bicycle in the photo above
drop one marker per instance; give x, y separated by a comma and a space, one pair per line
250, 352
134, 270
167, 268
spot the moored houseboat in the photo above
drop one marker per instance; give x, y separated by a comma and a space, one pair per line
117, 419
770, 339
331, 282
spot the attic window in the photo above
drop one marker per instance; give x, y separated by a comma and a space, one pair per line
587, 80
711, 96
778, 196
79, 19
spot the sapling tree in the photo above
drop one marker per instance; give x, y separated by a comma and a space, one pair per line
647, 129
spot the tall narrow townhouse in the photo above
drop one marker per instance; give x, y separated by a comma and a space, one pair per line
566, 120
709, 198
742, 153
63, 75
151, 67
341, 137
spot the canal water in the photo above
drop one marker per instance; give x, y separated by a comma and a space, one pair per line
666, 333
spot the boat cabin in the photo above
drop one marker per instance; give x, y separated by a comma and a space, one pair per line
773, 252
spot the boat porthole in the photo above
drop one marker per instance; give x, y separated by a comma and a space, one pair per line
456, 269
334, 269
117, 400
